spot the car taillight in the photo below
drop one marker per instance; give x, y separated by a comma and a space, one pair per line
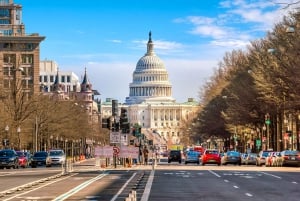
285, 157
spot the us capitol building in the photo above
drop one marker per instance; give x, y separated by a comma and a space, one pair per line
150, 103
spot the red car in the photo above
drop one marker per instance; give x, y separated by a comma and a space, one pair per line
23, 160
211, 156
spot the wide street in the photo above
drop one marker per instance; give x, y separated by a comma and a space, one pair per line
162, 182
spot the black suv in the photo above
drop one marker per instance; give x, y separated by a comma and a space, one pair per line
174, 155
9, 159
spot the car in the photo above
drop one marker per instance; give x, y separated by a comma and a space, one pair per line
274, 158
231, 157
192, 157
250, 159
23, 160
57, 157
290, 158
174, 155
211, 156
261, 157
244, 158
9, 159
29, 157
40, 158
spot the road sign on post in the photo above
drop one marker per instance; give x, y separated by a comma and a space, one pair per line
115, 137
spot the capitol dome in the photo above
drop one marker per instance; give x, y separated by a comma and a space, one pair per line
150, 79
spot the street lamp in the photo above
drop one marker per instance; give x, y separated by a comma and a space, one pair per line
6, 142
264, 137
19, 138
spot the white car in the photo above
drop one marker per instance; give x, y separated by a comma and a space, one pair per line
57, 157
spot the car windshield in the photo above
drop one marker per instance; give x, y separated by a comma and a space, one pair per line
20, 153
265, 154
212, 152
233, 153
193, 153
291, 153
40, 154
56, 153
6, 153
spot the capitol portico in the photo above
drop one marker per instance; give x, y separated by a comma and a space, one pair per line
150, 103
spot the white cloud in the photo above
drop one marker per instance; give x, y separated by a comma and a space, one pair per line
115, 41
231, 43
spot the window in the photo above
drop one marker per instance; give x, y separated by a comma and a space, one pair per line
45, 78
63, 79
27, 59
68, 78
51, 78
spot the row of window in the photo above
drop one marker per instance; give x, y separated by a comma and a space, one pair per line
11, 59
166, 124
168, 134
16, 46
51, 78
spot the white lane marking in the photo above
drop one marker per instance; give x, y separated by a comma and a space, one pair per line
294, 182
226, 180
146, 193
78, 188
123, 187
249, 194
272, 175
235, 187
38, 187
212, 172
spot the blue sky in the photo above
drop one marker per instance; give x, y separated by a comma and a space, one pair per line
108, 37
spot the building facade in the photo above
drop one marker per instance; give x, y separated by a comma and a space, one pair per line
48, 73
19, 52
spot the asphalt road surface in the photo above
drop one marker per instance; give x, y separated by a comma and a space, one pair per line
154, 183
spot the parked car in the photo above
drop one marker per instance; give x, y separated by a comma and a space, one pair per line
231, 157
211, 156
244, 158
174, 155
40, 158
57, 156
274, 158
290, 158
28, 155
261, 157
9, 159
23, 160
192, 157
250, 159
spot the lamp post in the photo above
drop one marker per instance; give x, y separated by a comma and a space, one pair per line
19, 138
268, 122
264, 128
6, 141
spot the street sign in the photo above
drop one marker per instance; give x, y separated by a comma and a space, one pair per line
116, 151
258, 143
115, 137
268, 121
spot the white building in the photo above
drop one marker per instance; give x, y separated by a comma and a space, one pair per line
150, 103
48, 73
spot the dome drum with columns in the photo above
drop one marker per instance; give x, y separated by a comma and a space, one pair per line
150, 80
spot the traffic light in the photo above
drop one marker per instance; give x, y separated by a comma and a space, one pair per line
124, 124
133, 132
114, 107
106, 123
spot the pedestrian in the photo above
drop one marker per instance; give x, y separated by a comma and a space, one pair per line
145, 152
